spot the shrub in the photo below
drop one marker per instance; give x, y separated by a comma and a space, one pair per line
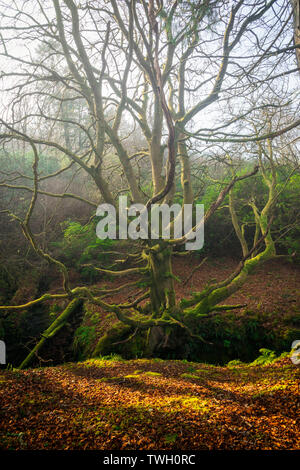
266, 357
80, 246
234, 363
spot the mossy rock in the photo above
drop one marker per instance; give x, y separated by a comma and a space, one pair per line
105, 345
114, 341
84, 338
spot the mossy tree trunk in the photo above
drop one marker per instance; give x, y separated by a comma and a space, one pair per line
51, 331
165, 313
162, 292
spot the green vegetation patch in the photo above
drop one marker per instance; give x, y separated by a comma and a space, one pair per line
109, 379
186, 375
152, 374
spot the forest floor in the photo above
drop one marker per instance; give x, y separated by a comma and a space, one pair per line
274, 286
151, 404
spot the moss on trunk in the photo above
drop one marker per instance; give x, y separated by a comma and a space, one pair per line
51, 331
162, 293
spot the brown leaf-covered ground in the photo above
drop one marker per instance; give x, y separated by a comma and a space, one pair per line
273, 286
151, 404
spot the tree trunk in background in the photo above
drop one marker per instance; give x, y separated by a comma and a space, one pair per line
296, 8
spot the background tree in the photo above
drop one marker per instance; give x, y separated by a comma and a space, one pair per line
296, 10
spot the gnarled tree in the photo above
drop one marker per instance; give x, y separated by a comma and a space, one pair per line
181, 72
